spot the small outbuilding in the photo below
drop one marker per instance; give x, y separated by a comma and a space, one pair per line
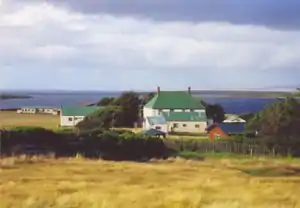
232, 118
71, 116
225, 130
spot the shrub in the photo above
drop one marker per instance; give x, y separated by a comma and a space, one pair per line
113, 145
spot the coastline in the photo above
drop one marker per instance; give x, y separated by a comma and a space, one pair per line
13, 96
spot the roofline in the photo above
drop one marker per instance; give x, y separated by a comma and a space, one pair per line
177, 108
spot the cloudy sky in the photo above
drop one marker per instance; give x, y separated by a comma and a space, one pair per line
140, 44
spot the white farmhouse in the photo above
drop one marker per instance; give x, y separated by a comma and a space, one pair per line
175, 111
231, 118
71, 116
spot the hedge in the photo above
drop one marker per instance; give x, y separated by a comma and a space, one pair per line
115, 145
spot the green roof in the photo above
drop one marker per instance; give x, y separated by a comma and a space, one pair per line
184, 116
174, 100
78, 110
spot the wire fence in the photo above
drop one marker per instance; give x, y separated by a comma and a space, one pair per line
222, 146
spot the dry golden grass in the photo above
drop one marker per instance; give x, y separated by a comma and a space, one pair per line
175, 183
13, 119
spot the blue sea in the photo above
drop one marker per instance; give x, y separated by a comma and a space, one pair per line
57, 99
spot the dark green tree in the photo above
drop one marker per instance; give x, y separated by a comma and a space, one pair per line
278, 124
106, 101
122, 112
130, 105
146, 98
214, 111
298, 92
105, 118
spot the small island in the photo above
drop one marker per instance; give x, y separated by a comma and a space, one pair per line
13, 96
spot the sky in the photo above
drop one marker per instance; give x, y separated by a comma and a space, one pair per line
139, 45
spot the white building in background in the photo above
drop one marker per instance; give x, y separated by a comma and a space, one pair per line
232, 118
175, 111
41, 110
71, 116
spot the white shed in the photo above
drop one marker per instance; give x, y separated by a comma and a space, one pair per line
71, 116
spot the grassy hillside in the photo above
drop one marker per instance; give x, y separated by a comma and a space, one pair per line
174, 183
13, 119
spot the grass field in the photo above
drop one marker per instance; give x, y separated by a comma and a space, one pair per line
176, 183
13, 119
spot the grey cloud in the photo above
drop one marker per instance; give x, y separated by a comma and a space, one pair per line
283, 14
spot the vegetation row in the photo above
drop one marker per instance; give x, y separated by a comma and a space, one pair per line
126, 145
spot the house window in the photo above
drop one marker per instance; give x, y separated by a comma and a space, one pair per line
158, 127
175, 125
197, 126
183, 125
70, 119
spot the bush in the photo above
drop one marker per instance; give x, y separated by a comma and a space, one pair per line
113, 145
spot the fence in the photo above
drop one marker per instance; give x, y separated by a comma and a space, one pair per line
220, 146
125, 145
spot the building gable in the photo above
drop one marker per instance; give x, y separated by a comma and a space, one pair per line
174, 100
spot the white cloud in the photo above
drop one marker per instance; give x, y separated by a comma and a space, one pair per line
130, 42
40, 35
52, 52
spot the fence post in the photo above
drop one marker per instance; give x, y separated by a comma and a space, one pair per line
274, 151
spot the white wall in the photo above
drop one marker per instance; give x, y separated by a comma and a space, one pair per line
146, 124
64, 120
190, 127
148, 112
154, 112
163, 127
237, 120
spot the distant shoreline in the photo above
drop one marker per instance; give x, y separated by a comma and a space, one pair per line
13, 96
243, 94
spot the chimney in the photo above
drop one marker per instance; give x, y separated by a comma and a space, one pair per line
189, 90
158, 89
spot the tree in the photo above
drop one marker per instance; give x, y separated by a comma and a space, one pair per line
214, 111
106, 101
130, 103
147, 98
298, 92
122, 112
278, 124
110, 116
